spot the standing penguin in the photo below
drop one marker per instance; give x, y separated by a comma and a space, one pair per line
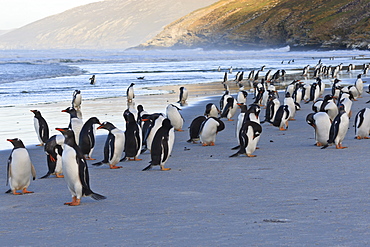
362, 124
242, 95
247, 136
75, 123
41, 127
75, 170
320, 121
162, 145
229, 109
155, 123
20, 168
211, 110
133, 137
209, 130
53, 149
114, 146
92, 80
76, 102
281, 117
183, 96
289, 101
130, 92
175, 117
338, 129
87, 137
359, 84
195, 128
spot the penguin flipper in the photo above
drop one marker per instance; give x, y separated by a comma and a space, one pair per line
8, 191
147, 168
235, 148
33, 171
97, 196
98, 163
234, 155
46, 176
327, 145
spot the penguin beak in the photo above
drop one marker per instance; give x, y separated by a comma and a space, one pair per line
59, 129
64, 111
100, 127
10, 140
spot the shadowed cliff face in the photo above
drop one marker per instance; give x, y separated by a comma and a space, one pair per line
246, 24
108, 24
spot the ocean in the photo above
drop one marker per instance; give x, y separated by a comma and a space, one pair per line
32, 77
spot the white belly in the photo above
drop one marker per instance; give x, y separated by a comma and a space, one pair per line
20, 166
70, 171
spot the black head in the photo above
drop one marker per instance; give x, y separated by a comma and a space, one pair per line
140, 108
128, 116
107, 125
36, 112
72, 111
359, 76
17, 143
166, 123
94, 120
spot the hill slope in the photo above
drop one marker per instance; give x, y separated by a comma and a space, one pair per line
107, 24
271, 23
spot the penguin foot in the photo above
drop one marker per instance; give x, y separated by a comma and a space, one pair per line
38, 145
114, 167
291, 119
134, 159
25, 191
251, 155
74, 202
165, 169
282, 129
180, 130
212, 144
230, 119
16, 193
89, 158
340, 147
58, 175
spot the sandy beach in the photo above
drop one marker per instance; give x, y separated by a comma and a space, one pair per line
292, 194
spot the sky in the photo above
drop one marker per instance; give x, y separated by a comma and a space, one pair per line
17, 13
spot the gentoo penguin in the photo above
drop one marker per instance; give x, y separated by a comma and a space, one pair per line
229, 109
41, 127
92, 80
140, 113
329, 107
75, 170
281, 117
223, 100
336, 87
87, 137
75, 123
53, 150
155, 123
195, 128
247, 136
209, 130
133, 137
241, 97
114, 146
320, 121
183, 96
359, 84
76, 102
173, 114
20, 168
272, 106
362, 124
130, 92
162, 145
345, 100
211, 110
289, 101
338, 129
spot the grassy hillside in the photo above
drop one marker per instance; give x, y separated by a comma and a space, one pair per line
271, 23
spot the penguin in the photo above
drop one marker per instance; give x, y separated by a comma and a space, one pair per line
183, 96
133, 137
336, 87
223, 100
362, 124
345, 99
289, 101
92, 80
272, 106
321, 123
75, 123
76, 173
140, 113
241, 97
338, 129
230, 109
41, 127
130, 93
76, 103
329, 107
155, 122
173, 114
211, 110
195, 128
162, 146
359, 84
87, 137
209, 130
281, 117
53, 150
114, 146
20, 168
247, 138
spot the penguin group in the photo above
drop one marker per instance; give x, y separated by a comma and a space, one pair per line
67, 153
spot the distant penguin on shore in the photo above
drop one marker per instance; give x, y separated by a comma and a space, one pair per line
183, 96
130, 93
41, 127
76, 102
92, 80
162, 146
19, 169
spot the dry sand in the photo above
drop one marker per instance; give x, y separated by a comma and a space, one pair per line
292, 194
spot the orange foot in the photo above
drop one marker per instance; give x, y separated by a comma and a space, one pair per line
165, 169
16, 193
340, 146
114, 167
25, 191
291, 119
58, 175
180, 130
282, 128
251, 155
134, 159
212, 144
318, 144
358, 137
38, 145
204, 144
74, 202
230, 119
89, 158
